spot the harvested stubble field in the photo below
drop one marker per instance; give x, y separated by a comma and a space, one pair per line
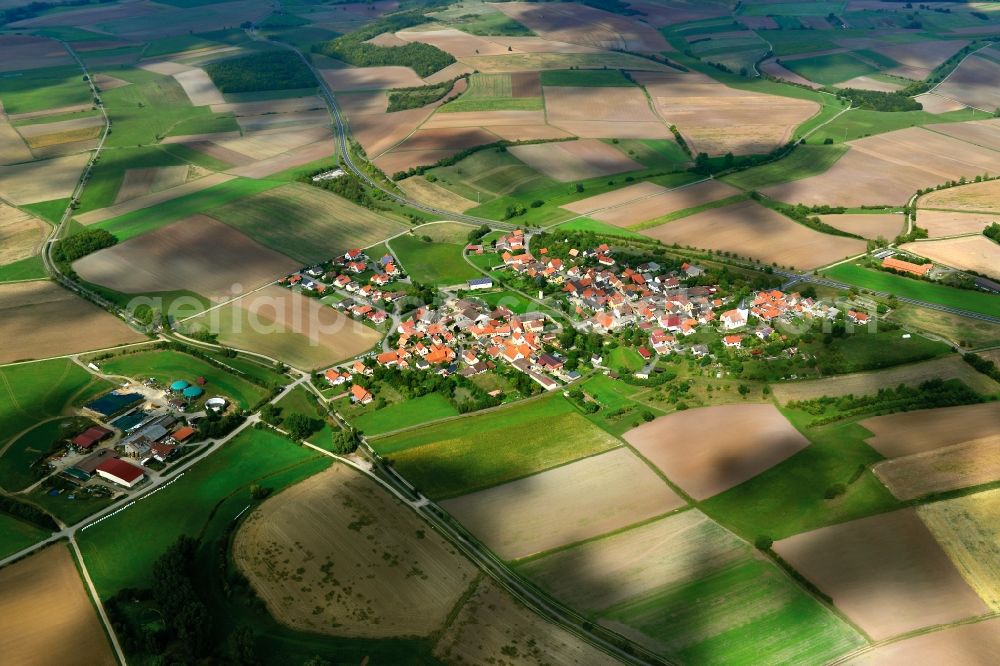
940, 223
976, 253
21, 234
199, 88
63, 131
637, 203
574, 160
598, 112
886, 573
34, 321
964, 465
746, 440
152, 199
981, 197
868, 383
716, 119
564, 505
968, 528
908, 433
305, 222
422, 190
886, 225
889, 168
286, 325
337, 554
687, 589
140, 182
984, 133
44, 180
370, 78
492, 628
455, 42
961, 645
570, 22
974, 84
868, 83
936, 104
46, 615
265, 144
197, 254
748, 229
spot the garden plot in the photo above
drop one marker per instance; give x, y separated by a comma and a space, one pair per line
981, 197
973, 83
564, 505
886, 225
46, 615
743, 441
33, 323
44, 180
574, 160
908, 433
886, 573
750, 230
337, 554
370, 78
152, 199
29, 52
140, 182
976, 253
593, 112
868, 383
570, 22
197, 254
645, 201
21, 234
960, 645
964, 465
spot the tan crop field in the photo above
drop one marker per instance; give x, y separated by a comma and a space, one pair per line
395, 161
886, 573
62, 143
950, 223
908, 433
964, 465
774, 68
427, 146
615, 198
319, 149
574, 160
920, 57
564, 505
529, 132
973, 83
46, 616
21, 234
28, 52
887, 225
743, 441
43, 180
271, 106
152, 199
370, 78
594, 112
13, 149
199, 88
34, 317
960, 645
337, 554
40, 130
867, 383
426, 192
265, 144
280, 323
978, 197
139, 182
197, 254
484, 119
493, 628
284, 120
751, 230
455, 42
936, 104
984, 133
570, 22
646, 207
968, 528
969, 253
868, 83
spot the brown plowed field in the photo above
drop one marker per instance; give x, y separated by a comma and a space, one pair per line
376, 130
886, 573
596, 113
751, 230
887, 225
42, 180
984, 133
387, 39
21, 234
40, 320
962, 645
574, 160
535, 44
564, 505
12, 146
928, 429
270, 106
101, 214
649, 207
448, 73
370, 78
948, 223
25, 52
138, 182
773, 68
936, 104
525, 84
46, 616
197, 254
920, 57
964, 465
974, 83
394, 162
296, 157
743, 441
337, 554
425, 147
455, 42
969, 253
484, 119
981, 197
570, 22
671, 12
529, 132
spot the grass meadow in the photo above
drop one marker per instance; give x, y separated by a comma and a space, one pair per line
44, 88
406, 414
432, 263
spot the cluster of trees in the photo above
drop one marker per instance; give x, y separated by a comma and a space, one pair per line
401, 99
804, 215
992, 232
413, 384
873, 100
348, 186
80, 245
298, 425
33, 9
271, 70
706, 165
214, 426
983, 365
27, 512
353, 48
478, 232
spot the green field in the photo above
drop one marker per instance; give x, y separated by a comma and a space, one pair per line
598, 227
491, 92
484, 450
30, 268
831, 68
413, 412
867, 278
624, 360
176, 44
17, 535
819, 8
612, 394
859, 123
863, 350
802, 162
106, 177
145, 220
514, 302
660, 154
165, 366
432, 263
15, 465
597, 78
44, 88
